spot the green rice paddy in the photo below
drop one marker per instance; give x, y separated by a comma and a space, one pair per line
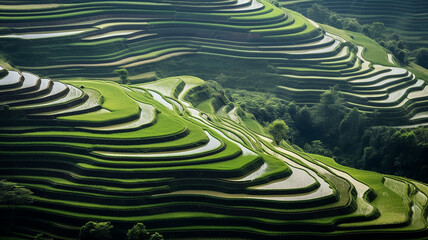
99, 150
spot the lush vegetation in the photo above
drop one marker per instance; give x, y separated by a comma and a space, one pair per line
126, 132
349, 136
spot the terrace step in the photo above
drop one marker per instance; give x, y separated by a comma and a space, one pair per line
12, 80
90, 105
30, 83
57, 90
44, 88
73, 97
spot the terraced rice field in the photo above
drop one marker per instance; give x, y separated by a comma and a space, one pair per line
91, 39
98, 150
93, 150
409, 18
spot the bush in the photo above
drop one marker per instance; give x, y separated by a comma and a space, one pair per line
13, 194
96, 231
422, 57
123, 75
138, 232
279, 130
156, 236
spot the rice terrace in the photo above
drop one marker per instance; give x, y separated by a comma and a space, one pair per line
213, 119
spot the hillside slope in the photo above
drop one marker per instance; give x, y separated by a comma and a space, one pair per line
94, 150
408, 18
297, 59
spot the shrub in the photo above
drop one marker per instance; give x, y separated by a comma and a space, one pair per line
123, 75
422, 57
96, 231
279, 130
138, 232
156, 236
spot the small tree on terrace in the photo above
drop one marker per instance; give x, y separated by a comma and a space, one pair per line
12, 194
123, 75
156, 236
138, 232
96, 231
279, 130
422, 57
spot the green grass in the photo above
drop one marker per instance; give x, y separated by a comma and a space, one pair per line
393, 207
164, 86
252, 124
206, 106
373, 52
115, 98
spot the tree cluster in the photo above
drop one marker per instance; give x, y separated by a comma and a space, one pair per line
103, 231
13, 194
348, 135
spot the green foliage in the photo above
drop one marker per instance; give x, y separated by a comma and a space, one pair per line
96, 231
396, 151
329, 129
279, 130
422, 57
156, 236
317, 147
318, 13
3, 108
274, 2
138, 232
352, 25
375, 30
351, 128
397, 47
329, 113
13, 194
123, 75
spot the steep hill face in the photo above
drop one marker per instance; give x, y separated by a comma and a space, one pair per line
95, 150
409, 18
91, 39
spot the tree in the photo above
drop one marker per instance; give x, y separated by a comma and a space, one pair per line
352, 25
318, 13
317, 147
351, 129
96, 231
304, 122
13, 194
138, 232
330, 111
123, 75
278, 129
156, 236
422, 57
335, 21
375, 30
